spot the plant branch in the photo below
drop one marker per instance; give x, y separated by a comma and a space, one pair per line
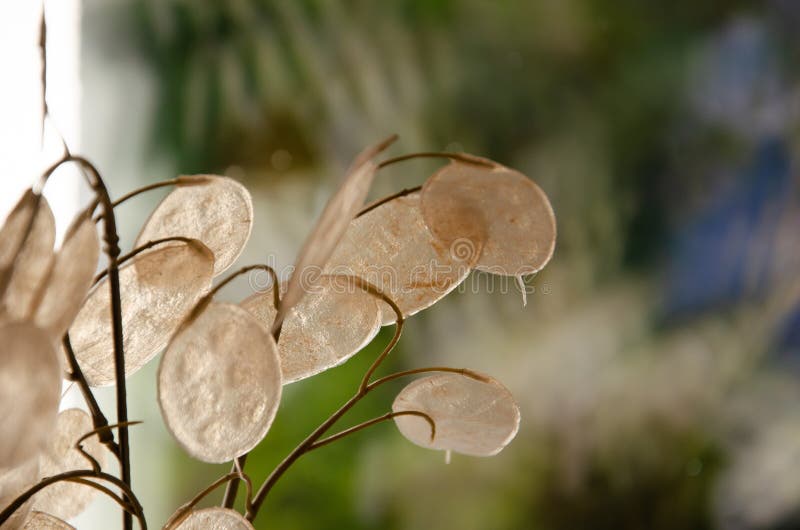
463, 371
68, 476
363, 389
369, 423
138, 250
461, 157
401, 193
99, 420
112, 251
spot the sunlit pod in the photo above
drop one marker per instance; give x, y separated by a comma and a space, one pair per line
391, 248
219, 383
326, 328
477, 417
514, 214
158, 288
215, 210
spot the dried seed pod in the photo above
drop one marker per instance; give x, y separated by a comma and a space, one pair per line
30, 389
44, 521
520, 227
213, 518
158, 288
68, 499
215, 210
34, 259
219, 383
70, 278
327, 327
330, 227
391, 248
473, 417
14, 482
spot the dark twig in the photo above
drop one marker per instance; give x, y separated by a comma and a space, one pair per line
363, 389
112, 250
138, 250
131, 500
401, 193
98, 418
369, 423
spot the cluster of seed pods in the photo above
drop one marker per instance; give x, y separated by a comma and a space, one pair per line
223, 366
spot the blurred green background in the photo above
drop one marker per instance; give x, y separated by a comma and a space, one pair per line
656, 363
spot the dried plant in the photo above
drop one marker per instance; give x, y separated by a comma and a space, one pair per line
224, 365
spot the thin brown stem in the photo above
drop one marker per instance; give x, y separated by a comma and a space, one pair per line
98, 418
143, 189
43, 71
181, 512
463, 371
112, 250
379, 419
107, 491
375, 204
363, 390
461, 157
134, 503
138, 250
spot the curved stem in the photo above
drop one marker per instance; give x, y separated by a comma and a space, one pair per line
138, 250
401, 193
68, 476
379, 419
205, 300
463, 371
229, 478
112, 251
363, 390
98, 418
461, 157
107, 491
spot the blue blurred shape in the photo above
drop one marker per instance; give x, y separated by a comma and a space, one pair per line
724, 254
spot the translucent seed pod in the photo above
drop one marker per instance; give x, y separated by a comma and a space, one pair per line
158, 289
219, 384
473, 417
518, 221
325, 329
215, 210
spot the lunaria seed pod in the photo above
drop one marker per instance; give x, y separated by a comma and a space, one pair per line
215, 210
219, 383
499, 205
473, 416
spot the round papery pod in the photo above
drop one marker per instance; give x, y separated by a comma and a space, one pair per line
158, 289
13, 482
215, 210
33, 263
70, 277
327, 327
520, 227
68, 499
391, 248
212, 519
219, 383
44, 521
477, 417
30, 389
330, 227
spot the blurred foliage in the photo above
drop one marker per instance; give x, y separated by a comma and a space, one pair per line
664, 133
